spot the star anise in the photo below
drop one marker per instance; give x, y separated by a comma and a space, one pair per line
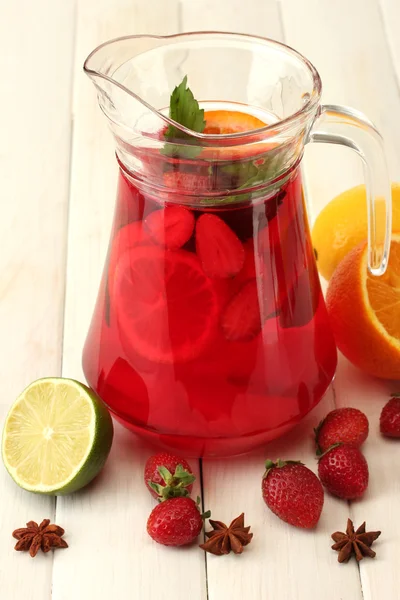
354, 542
34, 537
223, 539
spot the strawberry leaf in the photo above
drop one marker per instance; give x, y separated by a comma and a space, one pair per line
321, 455
165, 474
175, 485
156, 487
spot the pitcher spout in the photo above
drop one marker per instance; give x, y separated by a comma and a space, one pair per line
121, 79
136, 75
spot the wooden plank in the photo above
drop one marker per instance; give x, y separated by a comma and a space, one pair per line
350, 49
111, 554
282, 562
348, 46
391, 21
258, 17
35, 66
380, 505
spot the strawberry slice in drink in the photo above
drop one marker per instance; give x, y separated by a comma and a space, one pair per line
180, 181
246, 313
166, 307
130, 236
220, 251
241, 320
171, 226
253, 267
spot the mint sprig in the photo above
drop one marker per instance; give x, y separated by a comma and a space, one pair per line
185, 110
252, 173
240, 174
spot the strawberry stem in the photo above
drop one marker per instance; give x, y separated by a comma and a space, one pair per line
175, 485
320, 455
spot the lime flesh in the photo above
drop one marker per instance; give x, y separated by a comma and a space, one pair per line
56, 437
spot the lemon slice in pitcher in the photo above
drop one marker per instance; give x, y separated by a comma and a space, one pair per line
56, 437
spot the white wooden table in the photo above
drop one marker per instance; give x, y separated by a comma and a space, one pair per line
57, 174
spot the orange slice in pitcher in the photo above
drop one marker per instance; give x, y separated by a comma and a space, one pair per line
167, 308
222, 122
365, 312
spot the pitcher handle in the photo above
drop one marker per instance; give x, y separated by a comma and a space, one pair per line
349, 127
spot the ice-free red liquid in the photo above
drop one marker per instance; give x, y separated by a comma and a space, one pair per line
210, 334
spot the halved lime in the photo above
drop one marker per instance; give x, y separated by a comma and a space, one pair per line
56, 437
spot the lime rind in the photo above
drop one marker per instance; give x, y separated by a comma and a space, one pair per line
98, 430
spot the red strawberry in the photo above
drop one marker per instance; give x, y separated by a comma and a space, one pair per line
220, 251
168, 476
175, 522
293, 493
343, 470
190, 182
241, 319
390, 418
171, 227
345, 425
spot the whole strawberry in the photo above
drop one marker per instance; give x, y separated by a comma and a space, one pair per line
390, 418
343, 470
345, 425
168, 476
293, 493
175, 522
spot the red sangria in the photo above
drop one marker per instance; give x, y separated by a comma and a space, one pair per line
210, 334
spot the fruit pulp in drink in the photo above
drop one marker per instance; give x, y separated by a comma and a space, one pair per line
210, 334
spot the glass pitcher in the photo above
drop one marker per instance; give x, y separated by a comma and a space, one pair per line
210, 334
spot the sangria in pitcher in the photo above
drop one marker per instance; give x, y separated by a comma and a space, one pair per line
210, 334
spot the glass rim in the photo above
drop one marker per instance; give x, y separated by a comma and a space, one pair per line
244, 137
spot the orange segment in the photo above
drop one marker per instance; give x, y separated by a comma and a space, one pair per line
220, 122
384, 294
365, 312
223, 122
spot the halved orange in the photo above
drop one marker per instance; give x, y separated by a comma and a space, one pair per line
365, 312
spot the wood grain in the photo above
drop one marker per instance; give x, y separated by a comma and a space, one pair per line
351, 50
281, 562
348, 46
35, 64
391, 23
355, 46
111, 553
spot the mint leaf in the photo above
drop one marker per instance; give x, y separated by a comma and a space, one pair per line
239, 173
244, 175
185, 110
179, 151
